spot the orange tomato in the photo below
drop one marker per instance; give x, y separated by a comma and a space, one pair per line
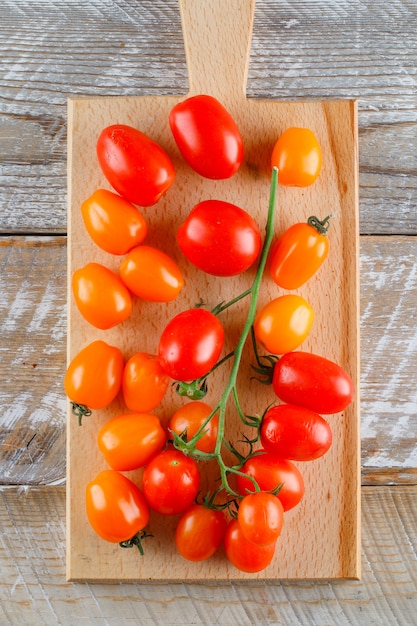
245, 555
144, 382
190, 417
261, 517
297, 155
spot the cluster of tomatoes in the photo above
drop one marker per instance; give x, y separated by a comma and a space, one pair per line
249, 518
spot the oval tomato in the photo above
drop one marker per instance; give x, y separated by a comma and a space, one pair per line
144, 383
207, 136
171, 482
116, 508
101, 297
190, 417
151, 274
269, 471
295, 433
297, 155
284, 323
220, 238
245, 555
129, 441
190, 344
134, 164
261, 518
112, 222
313, 382
200, 532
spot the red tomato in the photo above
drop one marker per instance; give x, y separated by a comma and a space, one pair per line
200, 532
112, 222
220, 238
245, 555
207, 136
190, 344
116, 508
151, 274
270, 471
190, 417
171, 482
312, 382
144, 382
134, 165
130, 441
284, 323
101, 297
295, 433
297, 155
261, 518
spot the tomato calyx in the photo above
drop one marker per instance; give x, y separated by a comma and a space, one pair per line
265, 363
321, 226
136, 540
80, 410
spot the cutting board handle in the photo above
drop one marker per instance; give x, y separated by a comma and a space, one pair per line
217, 38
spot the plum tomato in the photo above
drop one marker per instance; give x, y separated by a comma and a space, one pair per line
261, 517
144, 383
245, 555
200, 532
297, 155
190, 417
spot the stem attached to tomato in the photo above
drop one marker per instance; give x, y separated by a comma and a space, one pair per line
80, 410
322, 226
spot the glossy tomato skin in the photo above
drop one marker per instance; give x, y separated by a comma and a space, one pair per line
100, 295
94, 376
116, 508
284, 323
220, 238
270, 471
129, 441
295, 433
261, 518
207, 136
134, 164
113, 223
313, 382
245, 555
151, 274
200, 532
190, 417
297, 155
191, 344
171, 482
144, 383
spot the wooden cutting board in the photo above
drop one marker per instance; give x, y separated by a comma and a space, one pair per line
321, 537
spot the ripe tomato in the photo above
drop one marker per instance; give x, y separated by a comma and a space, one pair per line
269, 471
200, 532
116, 508
101, 297
283, 324
171, 482
94, 376
312, 382
190, 417
293, 432
190, 344
207, 136
112, 222
299, 253
245, 555
130, 441
220, 238
134, 165
297, 155
144, 383
151, 274
261, 518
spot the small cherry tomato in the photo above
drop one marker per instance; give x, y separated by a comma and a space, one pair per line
112, 222
284, 323
144, 382
245, 555
261, 517
151, 274
200, 532
207, 136
134, 164
171, 482
299, 253
220, 238
190, 344
190, 417
295, 433
313, 382
101, 297
116, 508
297, 155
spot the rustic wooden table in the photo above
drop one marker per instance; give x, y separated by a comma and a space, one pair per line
300, 51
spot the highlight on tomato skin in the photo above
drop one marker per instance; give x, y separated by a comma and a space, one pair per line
298, 157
